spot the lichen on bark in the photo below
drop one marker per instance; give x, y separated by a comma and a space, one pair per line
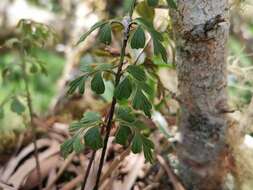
202, 28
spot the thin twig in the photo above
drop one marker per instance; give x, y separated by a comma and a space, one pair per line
114, 165
63, 167
173, 178
6, 186
30, 109
87, 173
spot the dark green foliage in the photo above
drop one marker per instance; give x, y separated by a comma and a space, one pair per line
137, 72
148, 145
105, 34
78, 145
137, 143
132, 77
78, 83
157, 38
172, 4
97, 83
90, 118
85, 132
123, 90
138, 40
140, 102
93, 139
125, 114
160, 49
67, 147
122, 135
94, 27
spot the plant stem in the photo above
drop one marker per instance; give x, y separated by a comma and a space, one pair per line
88, 170
30, 109
114, 101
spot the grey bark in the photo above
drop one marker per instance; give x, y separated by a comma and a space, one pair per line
202, 28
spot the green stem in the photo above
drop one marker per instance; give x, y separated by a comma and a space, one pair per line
30, 109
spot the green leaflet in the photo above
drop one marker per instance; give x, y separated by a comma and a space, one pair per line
97, 83
91, 118
160, 49
78, 145
157, 38
139, 143
104, 67
125, 114
123, 89
148, 145
137, 72
122, 135
146, 88
94, 27
149, 27
17, 106
67, 147
78, 83
74, 127
105, 34
172, 4
136, 144
93, 138
140, 102
138, 40
128, 5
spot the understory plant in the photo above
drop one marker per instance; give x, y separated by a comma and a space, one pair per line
31, 36
136, 85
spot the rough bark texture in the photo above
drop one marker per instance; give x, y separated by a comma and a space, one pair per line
201, 28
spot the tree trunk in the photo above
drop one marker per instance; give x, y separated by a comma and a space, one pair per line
202, 28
